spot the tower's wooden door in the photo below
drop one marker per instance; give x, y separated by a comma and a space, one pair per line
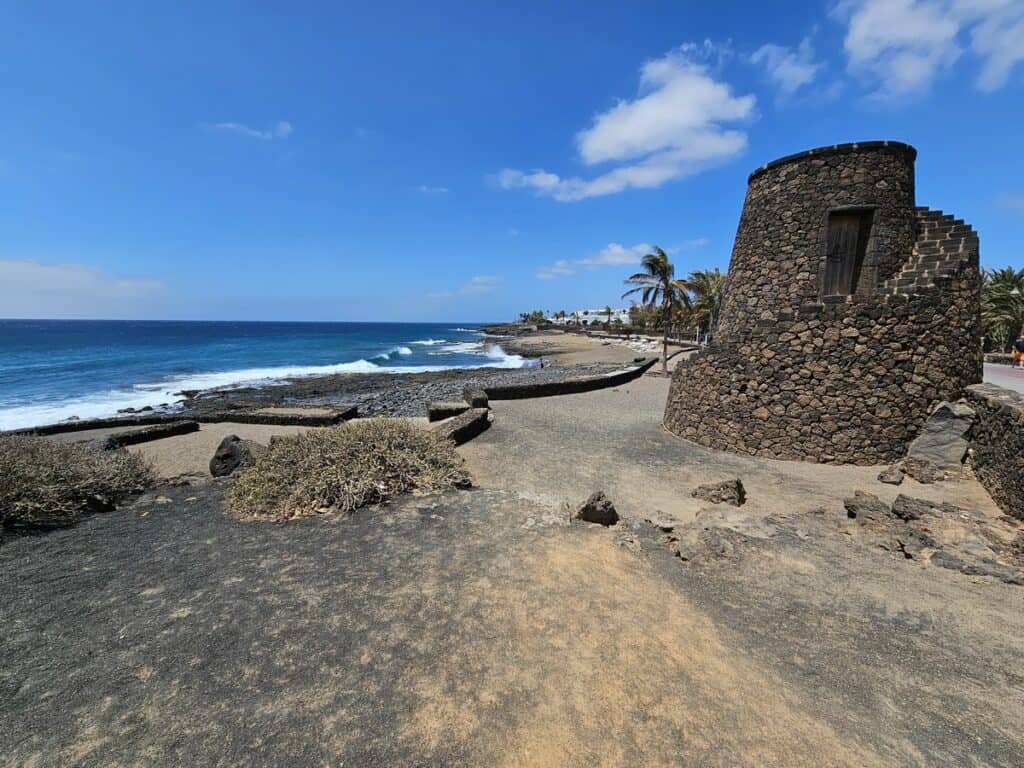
847, 242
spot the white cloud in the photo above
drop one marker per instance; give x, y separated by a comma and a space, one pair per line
281, 130
904, 44
561, 268
1012, 203
675, 127
475, 286
788, 68
432, 190
613, 254
998, 38
480, 284
62, 291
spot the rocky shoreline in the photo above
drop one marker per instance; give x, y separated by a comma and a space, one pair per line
561, 357
379, 394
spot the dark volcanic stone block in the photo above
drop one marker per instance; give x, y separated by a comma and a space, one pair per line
439, 411
464, 427
477, 398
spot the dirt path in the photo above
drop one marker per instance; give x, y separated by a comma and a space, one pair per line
476, 628
480, 628
561, 449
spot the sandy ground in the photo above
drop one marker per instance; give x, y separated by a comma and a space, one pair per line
561, 449
574, 349
187, 457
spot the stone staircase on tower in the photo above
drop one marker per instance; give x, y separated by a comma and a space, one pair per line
944, 244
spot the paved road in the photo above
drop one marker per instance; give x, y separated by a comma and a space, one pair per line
1005, 376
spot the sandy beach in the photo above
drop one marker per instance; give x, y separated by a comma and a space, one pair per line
561, 348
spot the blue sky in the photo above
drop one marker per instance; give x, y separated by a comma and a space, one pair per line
458, 161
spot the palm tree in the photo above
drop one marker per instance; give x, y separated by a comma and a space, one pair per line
706, 287
1002, 305
656, 285
607, 315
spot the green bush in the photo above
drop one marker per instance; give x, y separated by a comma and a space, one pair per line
343, 468
44, 483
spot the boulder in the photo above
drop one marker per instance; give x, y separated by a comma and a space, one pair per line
865, 505
944, 439
725, 492
438, 411
906, 508
891, 476
597, 509
234, 453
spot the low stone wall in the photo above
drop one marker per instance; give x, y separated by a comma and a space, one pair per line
999, 358
997, 445
464, 427
338, 415
569, 386
148, 434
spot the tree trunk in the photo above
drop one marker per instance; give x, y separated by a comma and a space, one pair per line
664, 339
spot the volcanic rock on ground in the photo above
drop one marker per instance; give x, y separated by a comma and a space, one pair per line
923, 470
597, 509
232, 454
891, 476
725, 492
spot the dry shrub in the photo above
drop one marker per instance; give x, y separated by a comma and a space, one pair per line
343, 468
44, 483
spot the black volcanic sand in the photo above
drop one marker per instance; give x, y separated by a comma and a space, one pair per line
380, 394
476, 628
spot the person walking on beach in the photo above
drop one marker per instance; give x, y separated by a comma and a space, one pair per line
1018, 350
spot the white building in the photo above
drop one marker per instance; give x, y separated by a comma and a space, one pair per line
591, 317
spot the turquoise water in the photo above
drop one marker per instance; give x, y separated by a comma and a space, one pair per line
51, 370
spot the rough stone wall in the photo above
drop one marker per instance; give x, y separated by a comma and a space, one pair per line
793, 374
997, 445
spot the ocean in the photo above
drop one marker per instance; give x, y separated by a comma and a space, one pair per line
52, 370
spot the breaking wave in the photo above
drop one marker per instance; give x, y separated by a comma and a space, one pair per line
166, 393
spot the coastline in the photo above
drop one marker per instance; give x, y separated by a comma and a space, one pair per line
553, 355
57, 371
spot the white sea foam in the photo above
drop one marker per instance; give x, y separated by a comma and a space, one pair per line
156, 394
393, 351
429, 342
460, 347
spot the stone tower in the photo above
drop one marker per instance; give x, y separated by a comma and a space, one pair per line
848, 313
